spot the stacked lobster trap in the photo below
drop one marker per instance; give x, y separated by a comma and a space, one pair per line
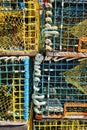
60, 87
15, 88
60, 93
19, 27
60, 76
19, 39
65, 26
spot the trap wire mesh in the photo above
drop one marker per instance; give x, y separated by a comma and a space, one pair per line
60, 87
69, 19
60, 125
15, 88
19, 25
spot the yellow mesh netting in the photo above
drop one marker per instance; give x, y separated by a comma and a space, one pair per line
80, 30
5, 102
11, 30
77, 76
19, 28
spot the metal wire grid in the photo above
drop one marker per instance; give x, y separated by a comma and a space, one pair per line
74, 1
60, 125
62, 82
19, 25
14, 88
71, 19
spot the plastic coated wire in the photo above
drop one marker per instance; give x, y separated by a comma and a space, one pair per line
14, 88
19, 25
71, 19
26, 88
61, 82
60, 125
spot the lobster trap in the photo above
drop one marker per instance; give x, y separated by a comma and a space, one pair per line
19, 27
70, 16
60, 88
60, 125
15, 88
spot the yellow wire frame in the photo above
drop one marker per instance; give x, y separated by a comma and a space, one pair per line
60, 125
18, 106
36, 24
28, 45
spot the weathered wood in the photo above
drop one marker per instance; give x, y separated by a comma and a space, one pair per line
10, 123
66, 54
15, 53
